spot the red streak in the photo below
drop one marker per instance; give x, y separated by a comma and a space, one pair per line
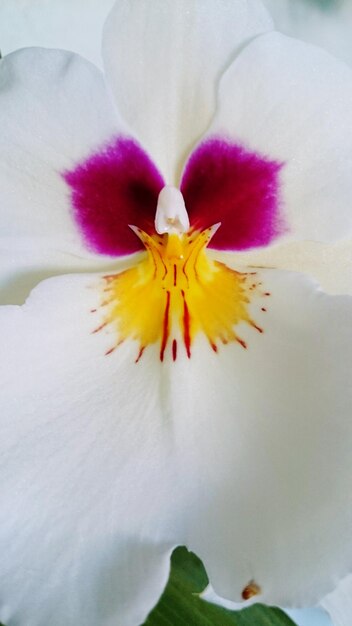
165, 327
260, 330
241, 342
186, 326
96, 330
111, 350
162, 262
175, 275
140, 354
185, 273
174, 350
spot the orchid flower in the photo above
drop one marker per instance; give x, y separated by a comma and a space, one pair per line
188, 388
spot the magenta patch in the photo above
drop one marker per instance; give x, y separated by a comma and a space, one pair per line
223, 182
117, 186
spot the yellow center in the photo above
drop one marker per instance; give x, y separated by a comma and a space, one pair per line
176, 292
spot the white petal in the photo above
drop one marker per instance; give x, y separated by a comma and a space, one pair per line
86, 518
328, 264
291, 102
70, 24
339, 603
301, 617
23, 264
243, 455
54, 112
264, 437
164, 60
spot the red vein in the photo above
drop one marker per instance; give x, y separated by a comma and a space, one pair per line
165, 327
186, 326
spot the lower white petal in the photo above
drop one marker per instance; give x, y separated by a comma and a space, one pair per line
265, 433
86, 528
243, 455
338, 603
301, 617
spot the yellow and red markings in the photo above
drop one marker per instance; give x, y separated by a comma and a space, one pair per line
176, 292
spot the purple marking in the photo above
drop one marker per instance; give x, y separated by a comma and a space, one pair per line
116, 186
223, 182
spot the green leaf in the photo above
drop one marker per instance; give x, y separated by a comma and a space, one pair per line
180, 603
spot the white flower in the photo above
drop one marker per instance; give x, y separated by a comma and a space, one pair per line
211, 406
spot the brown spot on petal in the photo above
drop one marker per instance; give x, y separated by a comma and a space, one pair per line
252, 589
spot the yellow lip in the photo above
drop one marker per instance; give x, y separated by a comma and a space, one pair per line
176, 292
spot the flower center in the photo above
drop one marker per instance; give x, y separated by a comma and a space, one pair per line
176, 291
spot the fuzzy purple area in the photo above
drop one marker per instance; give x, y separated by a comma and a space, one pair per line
114, 187
223, 182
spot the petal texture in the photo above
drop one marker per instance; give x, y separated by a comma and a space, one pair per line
47, 129
266, 435
86, 524
108, 463
291, 102
69, 24
164, 80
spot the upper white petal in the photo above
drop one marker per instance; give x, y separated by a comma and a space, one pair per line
164, 59
55, 111
291, 102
